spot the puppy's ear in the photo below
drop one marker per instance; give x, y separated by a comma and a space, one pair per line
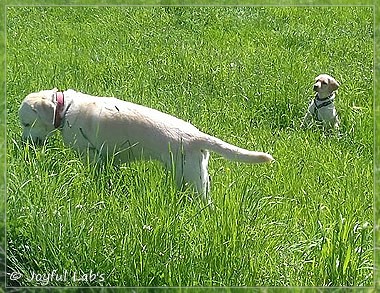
44, 110
333, 85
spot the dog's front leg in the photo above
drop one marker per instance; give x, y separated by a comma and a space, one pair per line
336, 124
308, 116
306, 119
332, 125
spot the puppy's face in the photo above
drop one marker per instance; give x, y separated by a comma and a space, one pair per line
37, 115
325, 84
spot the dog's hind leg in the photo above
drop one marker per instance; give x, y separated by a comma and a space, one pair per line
194, 172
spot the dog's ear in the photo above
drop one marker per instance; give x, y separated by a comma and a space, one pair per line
333, 85
45, 110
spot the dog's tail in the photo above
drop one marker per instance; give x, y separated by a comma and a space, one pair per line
232, 152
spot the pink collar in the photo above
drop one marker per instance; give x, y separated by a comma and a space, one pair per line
58, 114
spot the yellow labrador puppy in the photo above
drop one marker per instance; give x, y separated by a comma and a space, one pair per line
127, 131
322, 107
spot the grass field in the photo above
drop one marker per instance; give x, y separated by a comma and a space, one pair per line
243, 74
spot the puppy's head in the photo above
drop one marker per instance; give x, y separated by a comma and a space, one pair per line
36, 115
325, 85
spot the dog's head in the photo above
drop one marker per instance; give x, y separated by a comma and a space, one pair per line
325, 85
37, 115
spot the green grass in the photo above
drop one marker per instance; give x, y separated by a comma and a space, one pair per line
243, 74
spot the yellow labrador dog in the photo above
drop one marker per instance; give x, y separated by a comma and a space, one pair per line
127, 131
322, 107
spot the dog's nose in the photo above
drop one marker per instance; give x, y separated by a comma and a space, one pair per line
35, 140
38, 141
315, 87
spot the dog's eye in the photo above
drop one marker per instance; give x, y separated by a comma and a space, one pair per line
323, 82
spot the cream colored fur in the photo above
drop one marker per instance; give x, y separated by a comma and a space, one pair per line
127, 132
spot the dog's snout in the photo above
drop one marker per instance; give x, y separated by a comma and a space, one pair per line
39, 141
315, 87
34, 140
